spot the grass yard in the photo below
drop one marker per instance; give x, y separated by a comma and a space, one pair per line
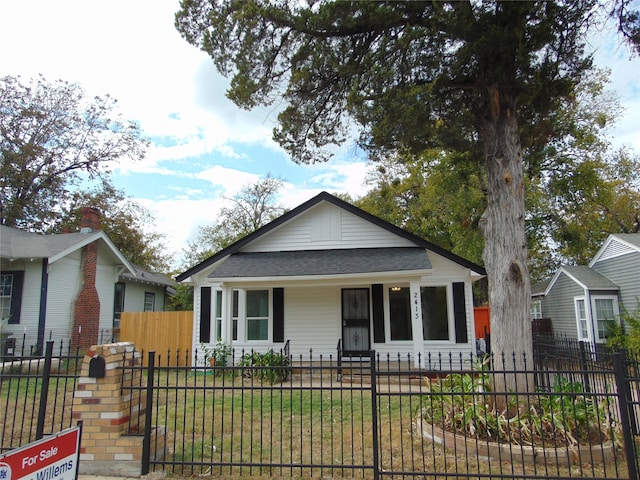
227, 426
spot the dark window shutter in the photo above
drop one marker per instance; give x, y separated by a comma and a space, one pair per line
278, 315
205, 314
377, 294
460, 312
16, 297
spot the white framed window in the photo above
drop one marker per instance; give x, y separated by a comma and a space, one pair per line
536, 309
149, 301
6, 292
257, 315
605, 312
399, 315
218, 314
251, 315
581, 318
436, 312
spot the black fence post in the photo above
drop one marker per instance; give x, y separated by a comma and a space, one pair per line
620, 372
44, 391
583, 367
374, 414
146, 441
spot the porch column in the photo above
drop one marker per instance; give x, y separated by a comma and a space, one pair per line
416, 324
591, 325
226, 333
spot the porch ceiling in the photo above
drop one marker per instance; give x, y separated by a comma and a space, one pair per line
321, 262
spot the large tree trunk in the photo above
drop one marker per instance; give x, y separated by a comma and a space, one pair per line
505, 253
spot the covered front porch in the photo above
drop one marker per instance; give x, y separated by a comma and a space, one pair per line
407, 319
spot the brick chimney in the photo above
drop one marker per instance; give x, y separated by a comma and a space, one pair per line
89, 219
86, 314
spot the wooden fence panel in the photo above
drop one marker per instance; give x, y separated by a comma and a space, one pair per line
162, 332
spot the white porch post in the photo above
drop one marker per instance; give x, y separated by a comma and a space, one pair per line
226, 333
591, 325
416, 324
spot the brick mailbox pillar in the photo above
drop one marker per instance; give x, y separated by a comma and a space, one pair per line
107, 408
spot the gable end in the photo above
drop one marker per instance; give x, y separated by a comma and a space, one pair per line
615, 248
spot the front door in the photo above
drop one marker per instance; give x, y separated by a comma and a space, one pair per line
355, 320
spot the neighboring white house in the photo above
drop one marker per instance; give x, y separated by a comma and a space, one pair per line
328, 272
65, 286
582, 300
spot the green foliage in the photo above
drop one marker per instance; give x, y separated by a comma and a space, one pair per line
271, 367
251, 208
436, 195
576, 191
127, 223
218, 355
462, 403
625, 334
52, 137
182, 301
457, 76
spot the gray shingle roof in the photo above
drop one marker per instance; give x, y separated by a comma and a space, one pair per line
322, 262
143, 275
590, 278
16, 243
540, 287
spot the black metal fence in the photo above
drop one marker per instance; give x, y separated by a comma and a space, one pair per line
26, 344
36, 394
387, 417
569, 414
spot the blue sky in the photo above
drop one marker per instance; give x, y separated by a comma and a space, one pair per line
203, 146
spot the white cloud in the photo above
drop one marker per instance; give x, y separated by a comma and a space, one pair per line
229, 179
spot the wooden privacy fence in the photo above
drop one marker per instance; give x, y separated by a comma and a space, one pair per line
161, 332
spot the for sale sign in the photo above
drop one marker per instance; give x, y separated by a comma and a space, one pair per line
52, 458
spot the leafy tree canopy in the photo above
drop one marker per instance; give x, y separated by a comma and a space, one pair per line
251, 208
51, 138
127, 223
578, 191
463, 76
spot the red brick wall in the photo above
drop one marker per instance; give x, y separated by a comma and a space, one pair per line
86, 317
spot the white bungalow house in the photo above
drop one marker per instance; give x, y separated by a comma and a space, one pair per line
326, 273
69, 286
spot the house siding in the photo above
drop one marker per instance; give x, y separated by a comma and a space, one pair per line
196, 324
312, 320
624, 271
302, 234
105, 284
134, 296
64, 284
560, 307
30, 297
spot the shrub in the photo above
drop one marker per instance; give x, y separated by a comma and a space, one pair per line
462, 403
269, 367
217, 355
625, 334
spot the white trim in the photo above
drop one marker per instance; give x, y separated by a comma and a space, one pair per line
416, 322
535, 309
314, 280
600, 254
578, 319
616, 314
99, 235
